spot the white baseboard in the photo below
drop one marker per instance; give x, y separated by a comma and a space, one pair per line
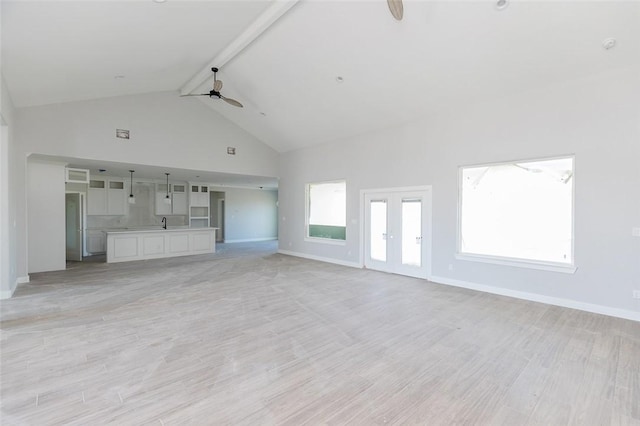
251, 240
320, 258
549, 300
6, 294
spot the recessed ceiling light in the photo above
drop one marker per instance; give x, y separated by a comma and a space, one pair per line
609, 43
502, 4
159, 1
339, 79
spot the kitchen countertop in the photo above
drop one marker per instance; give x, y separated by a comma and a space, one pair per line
134, 228
139, 230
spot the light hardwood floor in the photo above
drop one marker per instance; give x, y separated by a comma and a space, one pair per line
248, 336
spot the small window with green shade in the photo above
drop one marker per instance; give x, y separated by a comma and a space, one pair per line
327, 211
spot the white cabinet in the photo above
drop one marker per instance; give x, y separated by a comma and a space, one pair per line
96, 241
200, 195
76, 175
198, 206
124, 246
178, 197
106, 197
116, 199
97, 197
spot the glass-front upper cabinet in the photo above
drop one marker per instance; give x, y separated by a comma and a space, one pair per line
76, 175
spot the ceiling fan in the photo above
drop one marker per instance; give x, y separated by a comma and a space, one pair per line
215, 92
396, 9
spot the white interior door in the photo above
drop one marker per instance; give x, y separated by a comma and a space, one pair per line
397, 231
74, 228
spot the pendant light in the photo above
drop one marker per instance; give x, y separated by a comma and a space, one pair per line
167, 200
132, 199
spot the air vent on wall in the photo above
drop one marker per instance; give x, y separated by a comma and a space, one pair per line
122, 134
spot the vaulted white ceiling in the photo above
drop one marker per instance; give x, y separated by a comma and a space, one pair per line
57, 51
441, 55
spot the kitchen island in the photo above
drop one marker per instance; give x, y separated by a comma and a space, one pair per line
128, 245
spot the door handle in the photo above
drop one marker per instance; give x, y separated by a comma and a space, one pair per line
418, 240
384, 236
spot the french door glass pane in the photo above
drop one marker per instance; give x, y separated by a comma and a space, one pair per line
378, 230
411, 232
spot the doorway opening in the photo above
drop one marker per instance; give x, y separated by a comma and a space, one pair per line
74, 225
217, 213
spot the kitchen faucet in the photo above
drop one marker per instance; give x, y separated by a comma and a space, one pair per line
164, 222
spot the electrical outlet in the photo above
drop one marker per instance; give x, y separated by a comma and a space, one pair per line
635, 232
636, 294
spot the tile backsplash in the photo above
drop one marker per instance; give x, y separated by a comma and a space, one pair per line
140, 214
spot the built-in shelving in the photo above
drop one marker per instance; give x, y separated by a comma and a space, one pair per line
198, 205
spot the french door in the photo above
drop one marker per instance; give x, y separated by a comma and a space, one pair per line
397, 231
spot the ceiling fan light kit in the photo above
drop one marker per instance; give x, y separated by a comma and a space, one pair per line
609, 43
215, 92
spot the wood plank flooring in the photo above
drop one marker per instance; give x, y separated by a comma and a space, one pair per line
247, 336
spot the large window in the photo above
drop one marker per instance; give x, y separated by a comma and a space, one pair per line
520, 211
327, 210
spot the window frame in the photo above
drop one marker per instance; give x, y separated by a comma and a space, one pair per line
307, 212
568, 267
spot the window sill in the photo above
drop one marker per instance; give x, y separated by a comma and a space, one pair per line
519, 263
325, 241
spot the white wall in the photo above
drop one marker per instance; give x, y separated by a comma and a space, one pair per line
166, 131
598, 120
10, 272
6, 287
250, 214
46, 216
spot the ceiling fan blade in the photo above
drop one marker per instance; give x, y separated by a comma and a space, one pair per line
196, 94
232, 102
396, 8
217, 85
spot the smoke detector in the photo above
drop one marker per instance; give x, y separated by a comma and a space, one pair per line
609, 43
